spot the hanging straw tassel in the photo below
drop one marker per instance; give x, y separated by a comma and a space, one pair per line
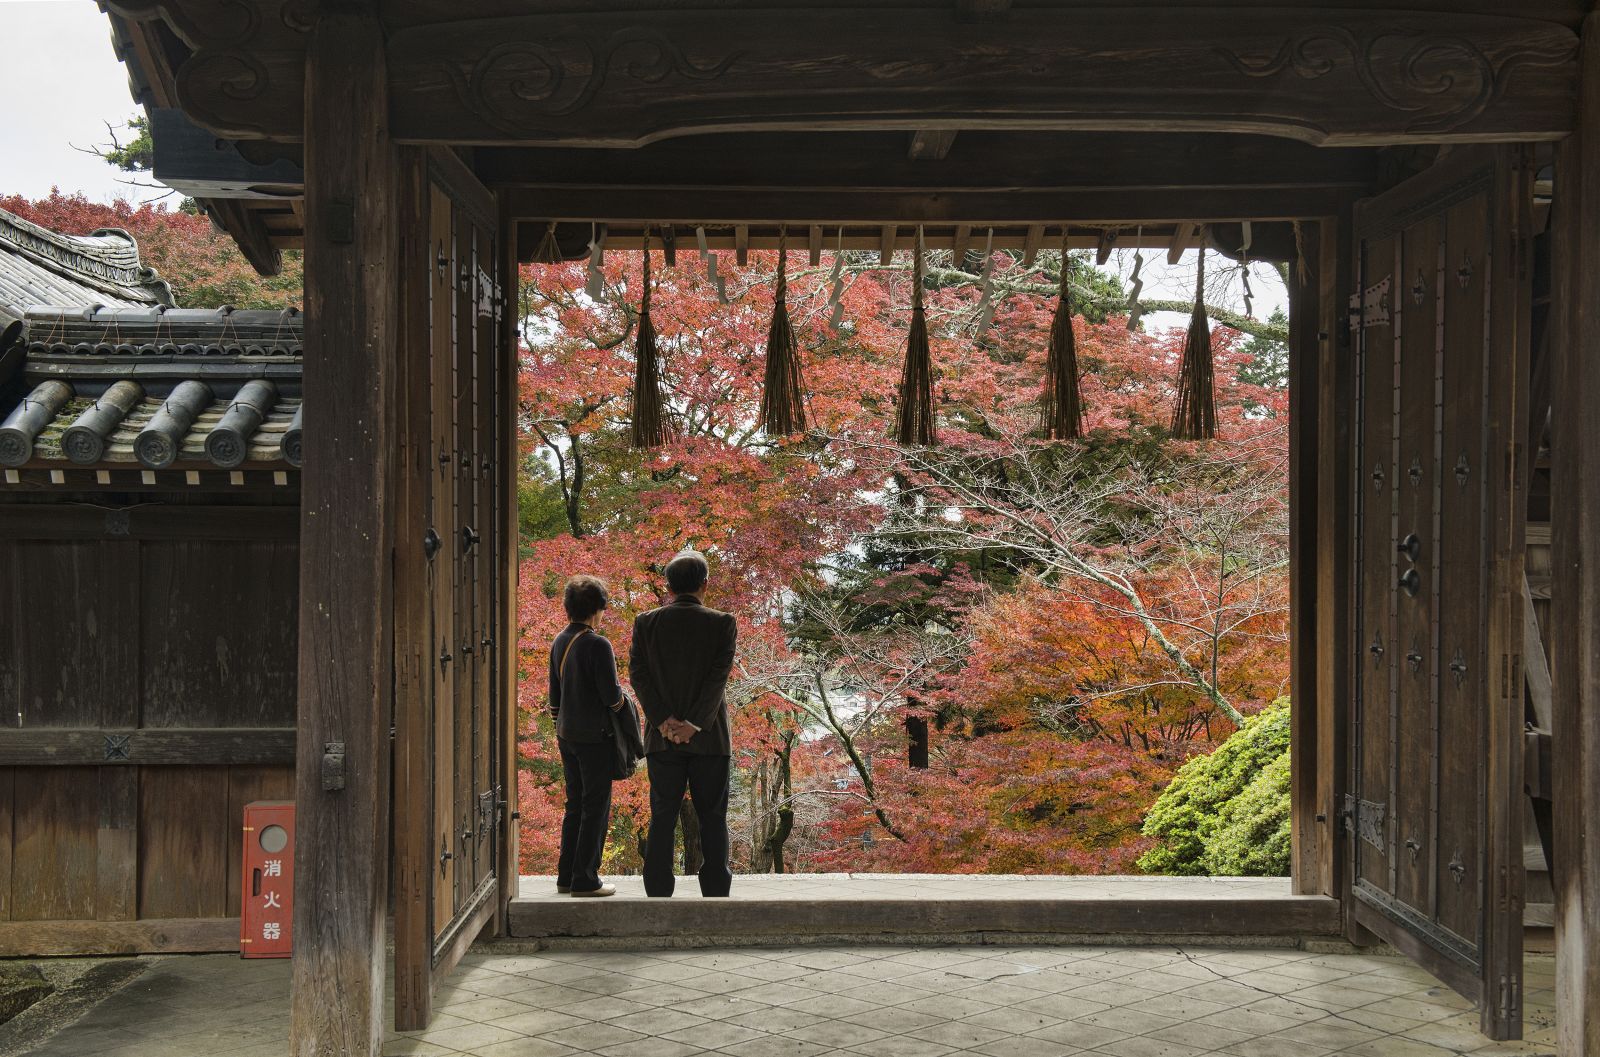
783, 409
1063, 404
549, 250
649, 426
914, 418
1195, 417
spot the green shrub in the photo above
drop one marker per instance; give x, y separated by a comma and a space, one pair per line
1251, 837
1228, 813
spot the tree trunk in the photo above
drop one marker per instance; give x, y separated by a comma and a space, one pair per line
762, 821
917, 735
771, 813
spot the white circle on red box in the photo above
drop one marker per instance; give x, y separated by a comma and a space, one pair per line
274, 839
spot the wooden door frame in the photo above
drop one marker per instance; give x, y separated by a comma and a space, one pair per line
1319, 554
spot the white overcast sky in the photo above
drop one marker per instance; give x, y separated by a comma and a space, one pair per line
60, 83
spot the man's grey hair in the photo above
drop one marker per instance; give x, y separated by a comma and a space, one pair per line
687, 572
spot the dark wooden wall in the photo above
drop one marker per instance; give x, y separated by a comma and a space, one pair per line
147, 693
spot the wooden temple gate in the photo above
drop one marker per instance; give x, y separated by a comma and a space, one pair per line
433, 146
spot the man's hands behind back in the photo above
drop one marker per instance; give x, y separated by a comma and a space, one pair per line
677, 731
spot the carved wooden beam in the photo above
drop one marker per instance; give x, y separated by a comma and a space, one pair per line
1322, 75
252, 25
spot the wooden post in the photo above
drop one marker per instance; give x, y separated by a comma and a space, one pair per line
508, 635
1309, 828
347, 494
1333, 572
1575, 566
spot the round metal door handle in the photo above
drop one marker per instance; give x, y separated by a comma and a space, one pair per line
1411, 547
1411, 582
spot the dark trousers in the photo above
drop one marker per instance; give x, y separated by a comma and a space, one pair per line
706, 778
588, 770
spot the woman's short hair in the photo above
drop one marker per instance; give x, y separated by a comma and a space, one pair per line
687, 572
584, 597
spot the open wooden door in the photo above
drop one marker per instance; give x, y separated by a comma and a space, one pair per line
451, 646
1434, 815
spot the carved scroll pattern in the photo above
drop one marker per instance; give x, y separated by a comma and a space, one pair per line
210, 81
514, 84
1447, 82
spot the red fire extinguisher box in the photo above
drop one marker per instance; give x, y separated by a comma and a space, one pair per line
267, 884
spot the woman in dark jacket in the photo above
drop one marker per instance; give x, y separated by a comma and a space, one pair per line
583, 692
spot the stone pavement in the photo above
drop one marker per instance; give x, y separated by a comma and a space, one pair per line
859, 1001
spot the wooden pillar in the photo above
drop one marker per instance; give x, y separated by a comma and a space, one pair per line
341, 861
1335, 411
1309, 828
1575, 560
508, 637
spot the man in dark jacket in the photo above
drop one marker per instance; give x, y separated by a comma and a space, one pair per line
679, 664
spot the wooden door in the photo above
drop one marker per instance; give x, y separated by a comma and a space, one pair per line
1441, 354
450, 707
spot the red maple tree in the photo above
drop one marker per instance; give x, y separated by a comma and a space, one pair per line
1056, 719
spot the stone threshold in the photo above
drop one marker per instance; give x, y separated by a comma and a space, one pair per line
934, 908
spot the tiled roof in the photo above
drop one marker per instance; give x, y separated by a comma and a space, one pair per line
154, 388
42, 267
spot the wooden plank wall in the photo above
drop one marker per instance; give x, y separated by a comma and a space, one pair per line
179, 639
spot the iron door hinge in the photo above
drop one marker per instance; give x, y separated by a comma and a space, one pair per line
1370, 307
1365, 819
332, 766
1510, 1007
